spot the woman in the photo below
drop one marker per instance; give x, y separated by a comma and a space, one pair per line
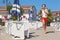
44, 12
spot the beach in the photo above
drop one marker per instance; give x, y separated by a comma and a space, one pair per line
35, 34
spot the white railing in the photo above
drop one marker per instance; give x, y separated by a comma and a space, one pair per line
35, 24
21, 28
17, 28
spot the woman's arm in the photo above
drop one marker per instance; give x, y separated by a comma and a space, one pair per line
46, 11
40, 13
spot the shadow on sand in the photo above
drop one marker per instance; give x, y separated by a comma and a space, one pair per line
31, 35
50, 32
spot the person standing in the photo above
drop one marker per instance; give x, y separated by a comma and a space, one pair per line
44, 12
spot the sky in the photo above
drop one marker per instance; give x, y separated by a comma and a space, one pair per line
53, 5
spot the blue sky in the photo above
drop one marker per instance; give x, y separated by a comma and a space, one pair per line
51, 4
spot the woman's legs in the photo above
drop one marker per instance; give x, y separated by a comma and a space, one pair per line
44, 26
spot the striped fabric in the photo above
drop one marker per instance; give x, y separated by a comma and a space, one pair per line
16, 7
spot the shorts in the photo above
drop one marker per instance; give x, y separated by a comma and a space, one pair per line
44, 19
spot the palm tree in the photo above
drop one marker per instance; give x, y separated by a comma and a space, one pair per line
9, 7
50, 16
21, 10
